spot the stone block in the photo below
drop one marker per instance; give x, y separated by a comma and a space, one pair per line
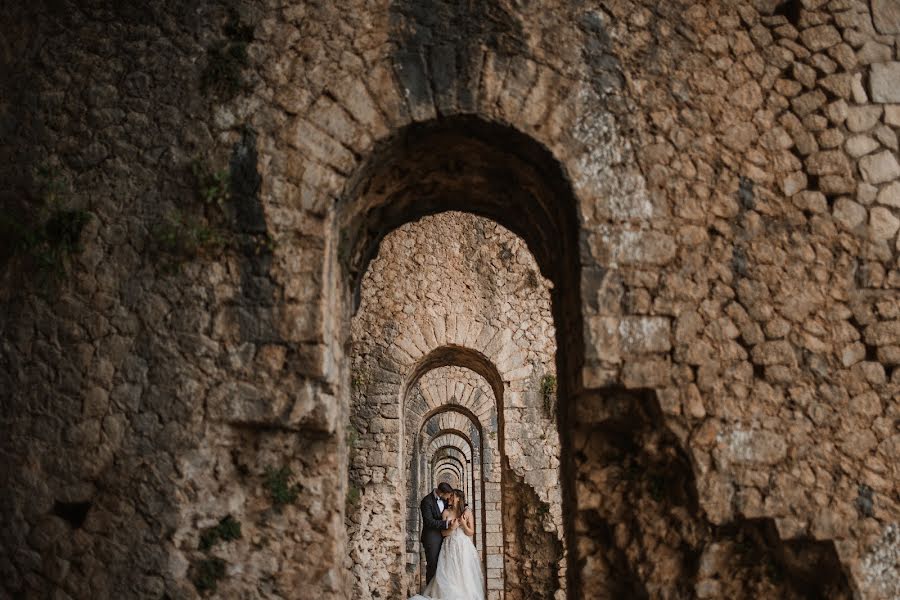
886, 16
652, 373
884, 333
862, 118
884, 82
892, 115
638, 335
820, 37
645, 247
779, 352
603, 338
829, 162
880, 168
860, 145
495, 561
882, 223
751, 446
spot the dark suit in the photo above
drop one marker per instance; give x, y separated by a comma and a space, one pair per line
432, 525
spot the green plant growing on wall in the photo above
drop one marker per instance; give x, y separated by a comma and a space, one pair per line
227, 530
207, 574
198, 231
226, 59
212, 187
353, 496
352, 436
360, 381
277, 482
48, 237
548, 393
182, 238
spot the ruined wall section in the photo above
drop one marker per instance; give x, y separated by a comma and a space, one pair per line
453, 269
743, 267
769, 131
152, 373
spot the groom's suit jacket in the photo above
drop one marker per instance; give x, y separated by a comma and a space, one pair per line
432, 523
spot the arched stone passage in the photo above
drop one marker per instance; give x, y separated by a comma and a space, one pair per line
479, 372
444, 400
483, 168
451, 455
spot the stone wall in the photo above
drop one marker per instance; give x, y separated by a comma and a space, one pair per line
710, 187
450, 280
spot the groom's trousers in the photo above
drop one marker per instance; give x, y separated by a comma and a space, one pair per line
432, 551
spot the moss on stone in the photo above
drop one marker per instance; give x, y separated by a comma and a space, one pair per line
281, 491
227, 530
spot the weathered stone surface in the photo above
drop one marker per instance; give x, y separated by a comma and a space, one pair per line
773, 353
662, 164
892, 115
645, 334
885, 333
831, 162
880, 168
820, 38
848, 213
886, 16
860, 145
752, 446
862, 118
890, 195
884, 82
882, 223
811, 201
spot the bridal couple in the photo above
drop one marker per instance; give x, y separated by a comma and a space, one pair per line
453, 568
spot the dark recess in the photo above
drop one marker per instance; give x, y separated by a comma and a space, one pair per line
74, 513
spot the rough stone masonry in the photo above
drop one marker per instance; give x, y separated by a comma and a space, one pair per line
192, 194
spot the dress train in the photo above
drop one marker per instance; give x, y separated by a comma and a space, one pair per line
458, 575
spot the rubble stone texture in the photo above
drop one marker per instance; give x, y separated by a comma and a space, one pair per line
708, 186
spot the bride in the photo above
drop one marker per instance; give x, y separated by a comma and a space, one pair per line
458, 575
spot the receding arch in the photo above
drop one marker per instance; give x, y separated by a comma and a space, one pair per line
457, 408
458, 356
426, 446
494, 171
483, 167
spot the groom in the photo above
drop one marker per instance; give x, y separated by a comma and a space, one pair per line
432, 506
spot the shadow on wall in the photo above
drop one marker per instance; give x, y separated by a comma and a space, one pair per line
533, 553
648, 536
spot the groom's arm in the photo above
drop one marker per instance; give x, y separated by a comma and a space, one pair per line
428, 516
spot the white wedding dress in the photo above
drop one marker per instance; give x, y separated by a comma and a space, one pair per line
458, 575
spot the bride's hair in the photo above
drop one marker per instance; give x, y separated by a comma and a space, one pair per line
461, 500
